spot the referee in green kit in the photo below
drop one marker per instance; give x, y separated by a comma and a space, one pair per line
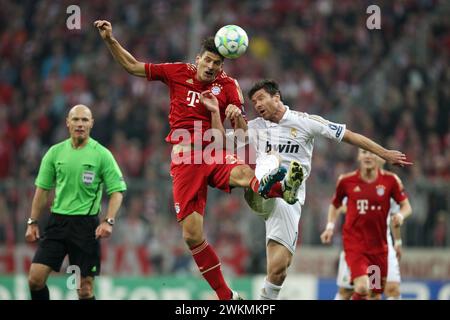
77, 168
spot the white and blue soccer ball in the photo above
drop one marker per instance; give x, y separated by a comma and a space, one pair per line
231, 41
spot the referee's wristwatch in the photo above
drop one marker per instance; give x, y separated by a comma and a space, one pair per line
31, 221
110, 221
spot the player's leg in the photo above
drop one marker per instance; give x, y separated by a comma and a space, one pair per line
49, 256
281, 242
192, 226
86, 291
243, 176
358, 264
361, 288
377, 285
392, 290
37, 281
84, 253
345, 288
343, 294
190, 186
204, 255
268, 173
274, 184
278, 260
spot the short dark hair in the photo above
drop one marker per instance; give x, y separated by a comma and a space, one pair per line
209, 45
269, 85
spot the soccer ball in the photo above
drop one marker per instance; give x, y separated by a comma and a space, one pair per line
231, 41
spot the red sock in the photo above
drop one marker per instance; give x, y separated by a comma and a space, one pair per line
209, 266
358, 296
274, 192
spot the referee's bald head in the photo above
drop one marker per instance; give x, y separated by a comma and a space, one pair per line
80, 108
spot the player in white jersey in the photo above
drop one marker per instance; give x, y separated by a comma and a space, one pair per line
290, 135
392, 288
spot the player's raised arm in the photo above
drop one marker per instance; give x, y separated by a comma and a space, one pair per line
121, 55
391, 156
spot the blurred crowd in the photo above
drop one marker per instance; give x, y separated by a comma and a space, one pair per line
391, 84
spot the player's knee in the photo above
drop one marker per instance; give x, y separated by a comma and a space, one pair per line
193, 230
192, 237
345, 293
36, 281
392, 291
241, 176
86, 290
362, 289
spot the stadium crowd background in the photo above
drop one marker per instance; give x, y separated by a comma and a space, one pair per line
391, 84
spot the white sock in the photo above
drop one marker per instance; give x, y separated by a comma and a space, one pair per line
270, 291
265, 164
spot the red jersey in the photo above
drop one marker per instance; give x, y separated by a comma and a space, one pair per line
368, 206
185, 89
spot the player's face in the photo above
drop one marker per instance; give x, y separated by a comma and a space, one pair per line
367, 159
265, 104
209, 65
80, 123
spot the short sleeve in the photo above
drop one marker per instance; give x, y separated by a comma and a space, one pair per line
398, 192
162, 71
47, 174
319, 126
339, 194
112, 176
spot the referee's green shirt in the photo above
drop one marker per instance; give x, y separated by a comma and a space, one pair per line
78, 176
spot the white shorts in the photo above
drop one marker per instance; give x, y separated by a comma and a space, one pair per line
343, 276
393, 266
282, 224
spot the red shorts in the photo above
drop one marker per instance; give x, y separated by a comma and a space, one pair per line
361, 264
190, 181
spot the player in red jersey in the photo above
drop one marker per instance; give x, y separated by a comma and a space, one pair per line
368, 191
191, 114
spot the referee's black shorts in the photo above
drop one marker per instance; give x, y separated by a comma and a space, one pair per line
73, 235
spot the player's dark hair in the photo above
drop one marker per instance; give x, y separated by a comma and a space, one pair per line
208, 45
269, 85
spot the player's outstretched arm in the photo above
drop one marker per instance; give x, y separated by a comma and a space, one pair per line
333, 214
391, 156
121, 55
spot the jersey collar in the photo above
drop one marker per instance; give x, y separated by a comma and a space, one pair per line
283, 118
286, 113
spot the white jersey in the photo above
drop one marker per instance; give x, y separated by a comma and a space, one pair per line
293, 138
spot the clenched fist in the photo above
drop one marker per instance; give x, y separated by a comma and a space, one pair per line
104, 28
